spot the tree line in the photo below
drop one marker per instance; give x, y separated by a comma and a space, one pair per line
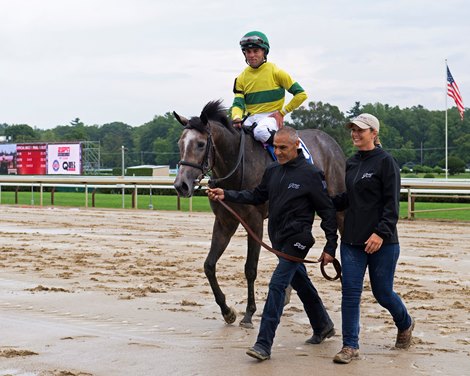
414, 136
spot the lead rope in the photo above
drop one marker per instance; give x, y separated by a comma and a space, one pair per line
336, 263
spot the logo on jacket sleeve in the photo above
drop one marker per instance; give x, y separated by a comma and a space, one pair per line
293, 186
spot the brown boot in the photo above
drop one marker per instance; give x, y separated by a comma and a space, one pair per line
346, 355
404, 337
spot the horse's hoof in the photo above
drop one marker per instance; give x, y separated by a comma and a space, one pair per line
246, 325
231, 316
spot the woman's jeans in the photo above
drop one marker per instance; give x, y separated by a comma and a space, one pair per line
381, 265
295, 274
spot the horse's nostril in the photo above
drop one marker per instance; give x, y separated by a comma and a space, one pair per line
182, 189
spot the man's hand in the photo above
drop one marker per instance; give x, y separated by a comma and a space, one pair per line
215, 194
326, 258
279, 119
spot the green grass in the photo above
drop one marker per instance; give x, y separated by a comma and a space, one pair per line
199, 203
102, 200
455, 215
463, 175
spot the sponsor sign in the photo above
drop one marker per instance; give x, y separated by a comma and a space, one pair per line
64, 159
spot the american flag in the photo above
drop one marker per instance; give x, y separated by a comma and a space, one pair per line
454, 92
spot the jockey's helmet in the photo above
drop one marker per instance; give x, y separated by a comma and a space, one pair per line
255, 39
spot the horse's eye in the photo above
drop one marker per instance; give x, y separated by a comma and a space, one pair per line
200, 144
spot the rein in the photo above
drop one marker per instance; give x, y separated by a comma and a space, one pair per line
336, 263
241, 153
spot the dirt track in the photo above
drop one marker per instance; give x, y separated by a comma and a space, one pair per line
113, 292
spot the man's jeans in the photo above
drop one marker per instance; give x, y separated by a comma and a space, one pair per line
295, 274
381, 265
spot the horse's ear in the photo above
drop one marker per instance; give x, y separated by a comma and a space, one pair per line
204, 118
181, 119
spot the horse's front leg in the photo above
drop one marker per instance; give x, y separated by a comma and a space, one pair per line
251, 272
255, 220
220, 238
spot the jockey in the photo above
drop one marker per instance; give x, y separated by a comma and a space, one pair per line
260, 91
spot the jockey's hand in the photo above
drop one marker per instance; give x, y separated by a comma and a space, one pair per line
237, 122
215, 194
326, 258
279, 119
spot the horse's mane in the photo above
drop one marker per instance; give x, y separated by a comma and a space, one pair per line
212, 111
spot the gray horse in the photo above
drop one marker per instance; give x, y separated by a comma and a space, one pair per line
210, 145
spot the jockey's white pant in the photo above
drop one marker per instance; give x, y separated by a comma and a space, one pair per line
267, 125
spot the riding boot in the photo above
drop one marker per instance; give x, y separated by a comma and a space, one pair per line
270, 140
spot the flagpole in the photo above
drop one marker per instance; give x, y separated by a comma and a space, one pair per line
446, 163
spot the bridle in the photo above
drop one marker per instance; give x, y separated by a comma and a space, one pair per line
204, 166
209, 155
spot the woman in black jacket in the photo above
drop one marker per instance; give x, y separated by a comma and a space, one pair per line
370, 238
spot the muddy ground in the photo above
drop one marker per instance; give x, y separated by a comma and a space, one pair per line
123, 292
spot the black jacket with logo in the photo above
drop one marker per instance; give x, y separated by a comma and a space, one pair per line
372, 198
295, 190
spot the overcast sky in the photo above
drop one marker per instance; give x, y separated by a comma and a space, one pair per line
129, 60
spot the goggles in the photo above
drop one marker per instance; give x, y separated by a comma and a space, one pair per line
251, 40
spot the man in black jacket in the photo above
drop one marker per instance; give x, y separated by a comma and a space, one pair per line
296, 190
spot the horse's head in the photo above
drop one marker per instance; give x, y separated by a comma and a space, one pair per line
195, 153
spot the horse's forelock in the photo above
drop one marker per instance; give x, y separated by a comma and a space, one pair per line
197, 124
215, 111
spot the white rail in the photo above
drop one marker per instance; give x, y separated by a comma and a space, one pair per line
90, 182
446, 188
438, 188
